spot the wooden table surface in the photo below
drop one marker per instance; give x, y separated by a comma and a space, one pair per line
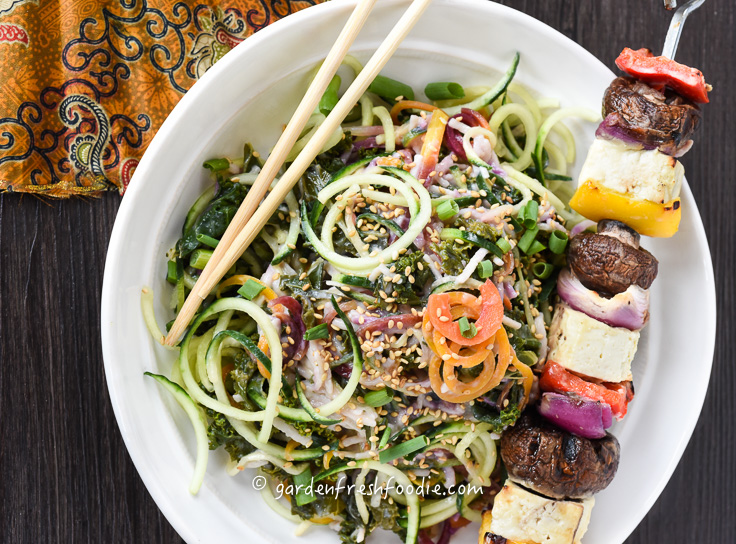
65, 475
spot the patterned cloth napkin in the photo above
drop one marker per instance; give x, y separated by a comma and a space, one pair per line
85, 84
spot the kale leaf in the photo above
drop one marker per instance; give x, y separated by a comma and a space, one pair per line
215, 218
221, 433
406, 291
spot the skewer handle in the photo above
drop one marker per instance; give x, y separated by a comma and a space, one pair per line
675, 30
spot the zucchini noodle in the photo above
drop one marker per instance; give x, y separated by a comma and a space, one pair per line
530, 127
388, 127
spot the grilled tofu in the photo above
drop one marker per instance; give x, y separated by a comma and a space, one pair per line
587, 346
645, 175
520, 515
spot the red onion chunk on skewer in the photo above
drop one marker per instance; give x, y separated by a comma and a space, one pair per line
576, 415
629, 309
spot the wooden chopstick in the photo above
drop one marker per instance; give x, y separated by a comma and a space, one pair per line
238, 237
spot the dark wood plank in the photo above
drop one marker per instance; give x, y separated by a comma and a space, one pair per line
65, 475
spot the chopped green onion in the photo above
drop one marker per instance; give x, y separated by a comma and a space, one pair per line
250, 289
485, 269
503, 244
390, 89
171, 272
403, 449
528, 214
379, 398
320, 331
216, 164
447, 210
444, 90
536, 247
558, 242
467, 329
384, 437
207, 240
542, 270
526, 240
302, 483
329, 98
200, 258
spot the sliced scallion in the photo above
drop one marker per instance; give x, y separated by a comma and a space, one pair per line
447, 210
485, 269
200, 258
390, 89
320, 331
503, 244
329, 98
216, 164
209, 241
467, 329
444, 90
528, 238
385, 437
171, 272
542, 270
536, 247
558, 242
528, 214
403, 449
378, 398
250, 289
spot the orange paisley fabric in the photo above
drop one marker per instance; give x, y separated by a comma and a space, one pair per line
85, 84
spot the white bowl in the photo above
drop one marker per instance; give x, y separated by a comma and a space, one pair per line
247, 96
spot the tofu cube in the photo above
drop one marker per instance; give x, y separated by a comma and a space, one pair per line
587, 346
520, 515
639, 174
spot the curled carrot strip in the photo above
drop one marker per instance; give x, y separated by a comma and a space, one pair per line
240, 279
446, 384
402, 105
457, 355
439, 308
263, 346
528, 375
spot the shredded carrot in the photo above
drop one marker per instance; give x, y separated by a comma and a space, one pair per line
240, 279
388, 161
402, 105
263, 346
290, 447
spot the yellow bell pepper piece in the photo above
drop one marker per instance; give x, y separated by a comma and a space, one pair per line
648, 218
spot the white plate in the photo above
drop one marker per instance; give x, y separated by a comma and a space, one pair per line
247, 96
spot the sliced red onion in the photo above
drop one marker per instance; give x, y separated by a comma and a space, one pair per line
581, 227
389, 324
294, 320
360, 132
576, 415
453, 137
629, 309
614, 127
611, 129
368, 143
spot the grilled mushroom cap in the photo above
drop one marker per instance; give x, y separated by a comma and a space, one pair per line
649, 116
619, 230
556, 463
605, 263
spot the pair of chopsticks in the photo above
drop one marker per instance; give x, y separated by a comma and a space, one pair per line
253, 214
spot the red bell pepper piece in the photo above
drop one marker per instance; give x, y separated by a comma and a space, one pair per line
557, 379
657, 71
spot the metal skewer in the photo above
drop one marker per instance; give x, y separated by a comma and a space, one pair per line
675, 30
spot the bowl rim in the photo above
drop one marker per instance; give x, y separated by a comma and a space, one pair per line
128, 206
